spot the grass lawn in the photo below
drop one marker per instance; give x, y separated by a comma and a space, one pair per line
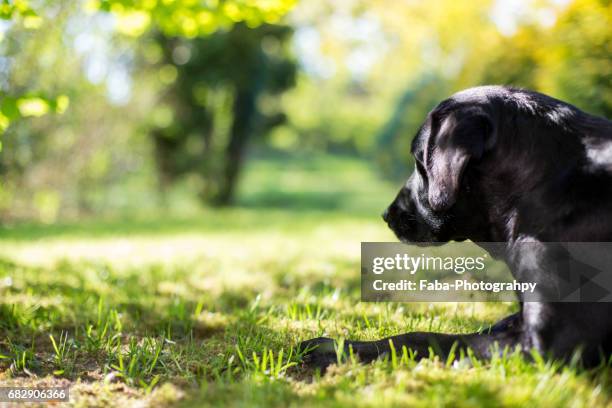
204, 309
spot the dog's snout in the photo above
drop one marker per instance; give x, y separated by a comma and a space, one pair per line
385, 215
398, 208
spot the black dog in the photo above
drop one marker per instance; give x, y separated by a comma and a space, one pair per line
499, 164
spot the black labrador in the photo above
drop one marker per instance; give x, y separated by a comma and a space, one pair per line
500, 164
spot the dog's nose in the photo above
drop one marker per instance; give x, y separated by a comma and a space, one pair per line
385, 215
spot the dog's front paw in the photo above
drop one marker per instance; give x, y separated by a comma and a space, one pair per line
319, 352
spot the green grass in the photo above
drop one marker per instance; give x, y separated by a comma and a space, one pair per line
205, 308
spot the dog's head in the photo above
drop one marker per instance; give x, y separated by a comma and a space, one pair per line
440, 201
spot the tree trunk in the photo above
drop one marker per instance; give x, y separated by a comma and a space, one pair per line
244, 112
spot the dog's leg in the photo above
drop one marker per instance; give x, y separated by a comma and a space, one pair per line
560, 330
321, 351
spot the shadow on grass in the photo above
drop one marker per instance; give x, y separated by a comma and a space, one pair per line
297, 201
202, 340
280, 216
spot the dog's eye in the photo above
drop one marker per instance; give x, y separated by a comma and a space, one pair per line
418, 156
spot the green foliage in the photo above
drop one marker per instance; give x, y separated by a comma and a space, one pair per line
581, 56
14, 106
19, 10
570, 60
192, 18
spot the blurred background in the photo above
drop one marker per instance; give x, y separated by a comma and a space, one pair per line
134, 108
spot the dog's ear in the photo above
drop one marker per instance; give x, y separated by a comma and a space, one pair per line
460, 138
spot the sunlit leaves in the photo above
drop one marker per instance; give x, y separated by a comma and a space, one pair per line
26, 106
36, 106
20, 10
9, 9
4, 122
570, 59
61, 104
32, 22
188, 18
32, 107
578, 66
133, 23
13, 108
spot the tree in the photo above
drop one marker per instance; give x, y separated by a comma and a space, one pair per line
221, 84
234, 56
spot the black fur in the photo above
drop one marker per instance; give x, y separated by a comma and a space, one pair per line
500, 164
